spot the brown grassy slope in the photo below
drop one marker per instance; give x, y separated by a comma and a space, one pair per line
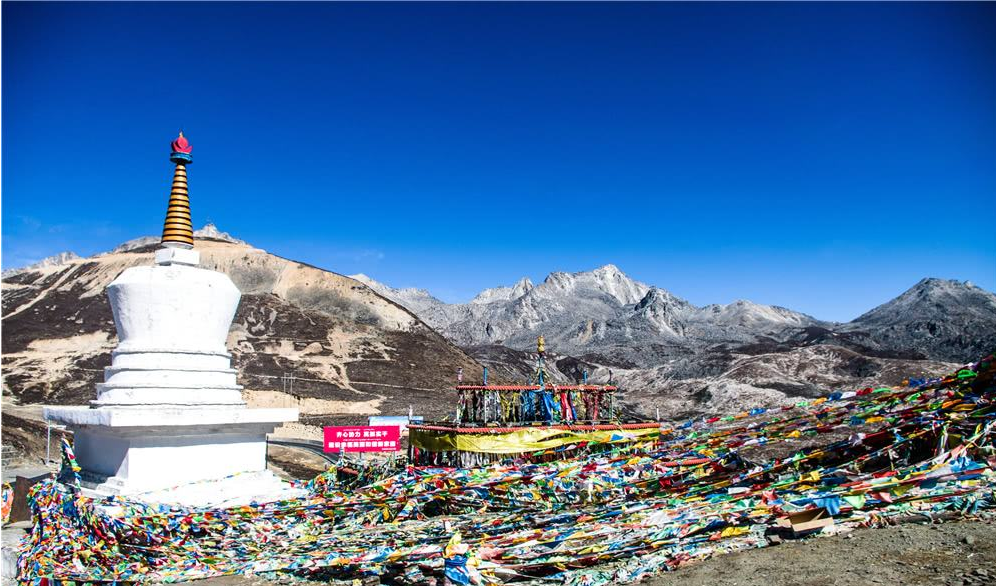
344, 344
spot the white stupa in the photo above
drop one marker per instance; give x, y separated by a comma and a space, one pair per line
169, 412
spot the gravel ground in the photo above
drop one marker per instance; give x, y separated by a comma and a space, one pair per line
950, 554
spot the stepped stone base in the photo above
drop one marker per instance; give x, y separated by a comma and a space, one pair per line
133, 450
233, 491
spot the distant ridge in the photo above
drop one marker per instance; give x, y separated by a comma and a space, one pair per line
687, 360
52, 261
208, 231
605, 312
591, 310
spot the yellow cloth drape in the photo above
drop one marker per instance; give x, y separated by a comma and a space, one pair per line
526, 440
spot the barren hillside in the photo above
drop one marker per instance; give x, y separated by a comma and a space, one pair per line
350, 351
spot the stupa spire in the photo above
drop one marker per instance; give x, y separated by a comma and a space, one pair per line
177, 229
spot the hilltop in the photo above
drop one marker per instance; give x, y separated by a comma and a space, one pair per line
352, 352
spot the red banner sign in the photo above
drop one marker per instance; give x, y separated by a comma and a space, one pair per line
363, 438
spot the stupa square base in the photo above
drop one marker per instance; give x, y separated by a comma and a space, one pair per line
232, 491
126, 451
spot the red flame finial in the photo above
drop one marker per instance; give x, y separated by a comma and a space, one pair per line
181, 145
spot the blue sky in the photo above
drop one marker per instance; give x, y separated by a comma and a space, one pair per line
823, 157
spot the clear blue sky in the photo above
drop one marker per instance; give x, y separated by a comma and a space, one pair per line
823, 157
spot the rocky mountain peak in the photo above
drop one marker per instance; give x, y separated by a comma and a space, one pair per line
933, 286
211, 231
53, 261
402, 295
558, 278
933, 299
939, 318
619, 285
431, 310
663, 310
521, 287
606, 280
375, 285
658, 296
748, 314
610, 271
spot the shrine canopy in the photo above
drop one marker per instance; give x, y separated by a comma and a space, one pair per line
602, 388
549, 404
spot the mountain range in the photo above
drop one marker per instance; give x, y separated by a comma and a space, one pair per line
605, 314
341, 348
669, 353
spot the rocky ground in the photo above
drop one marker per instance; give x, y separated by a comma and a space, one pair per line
294, 464
953, 554
24, 441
